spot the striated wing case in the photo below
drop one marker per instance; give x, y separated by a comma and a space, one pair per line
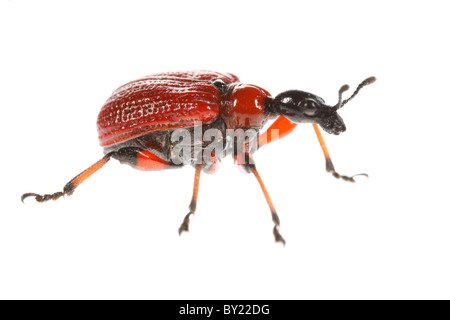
159, 102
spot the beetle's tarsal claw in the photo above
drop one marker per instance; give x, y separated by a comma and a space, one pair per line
278, 237
185, 225
26, 195
360, 174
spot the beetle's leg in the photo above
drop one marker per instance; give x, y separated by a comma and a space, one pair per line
249, 166
185, 225
69, 188
281, 128
275, 218
329, 163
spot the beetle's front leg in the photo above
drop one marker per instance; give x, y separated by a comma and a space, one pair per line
329, 163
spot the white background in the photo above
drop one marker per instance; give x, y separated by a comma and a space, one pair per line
383, 237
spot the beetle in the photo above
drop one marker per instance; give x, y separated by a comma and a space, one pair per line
138, 123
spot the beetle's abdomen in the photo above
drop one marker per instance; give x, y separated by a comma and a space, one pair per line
160, 102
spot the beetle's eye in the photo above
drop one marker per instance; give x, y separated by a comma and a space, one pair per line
220, 85
309, 108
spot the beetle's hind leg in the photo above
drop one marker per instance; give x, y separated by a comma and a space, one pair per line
329, 163
193, 205
70, 187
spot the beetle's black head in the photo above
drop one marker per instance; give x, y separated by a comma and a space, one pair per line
299, 106
303, 107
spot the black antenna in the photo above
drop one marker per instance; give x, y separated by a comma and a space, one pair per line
366, 82
344, 88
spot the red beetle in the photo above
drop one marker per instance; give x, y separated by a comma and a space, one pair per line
142, 122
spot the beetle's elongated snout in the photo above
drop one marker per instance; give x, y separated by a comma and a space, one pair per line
332, 124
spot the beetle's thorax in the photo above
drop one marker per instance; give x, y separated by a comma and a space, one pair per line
243, 106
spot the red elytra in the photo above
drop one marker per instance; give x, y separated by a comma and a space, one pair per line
142, 122
162, 101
